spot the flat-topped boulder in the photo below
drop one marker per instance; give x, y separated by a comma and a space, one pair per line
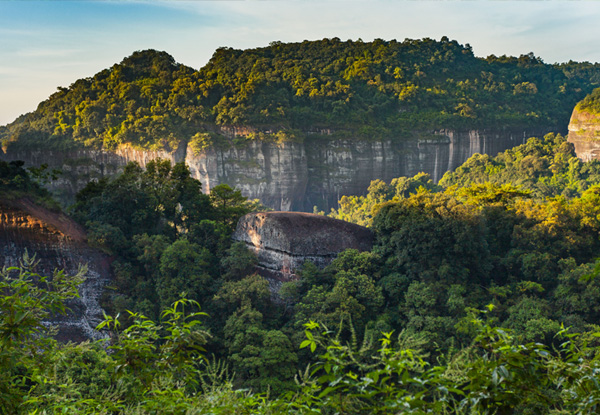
283, 241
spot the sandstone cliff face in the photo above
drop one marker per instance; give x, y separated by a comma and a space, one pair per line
584, 133
283, 241
290, 176
346, 167
275, 173
81, 166
58, 243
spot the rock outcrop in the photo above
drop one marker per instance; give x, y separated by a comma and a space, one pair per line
289, 175
283, 241
584, 133
58, 243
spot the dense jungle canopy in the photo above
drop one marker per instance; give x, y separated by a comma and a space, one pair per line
364, 90
480, 296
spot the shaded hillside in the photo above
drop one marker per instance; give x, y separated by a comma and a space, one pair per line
31, 224
16, 182
369, 90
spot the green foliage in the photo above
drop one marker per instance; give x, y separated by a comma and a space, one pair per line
157, 222
590, 103
161, 367
484, 239
286, 90
169, 239
230, 205
201, 142
250, 291
362, 209
263, 358
494, 375
389, 381
545, 167
183, 268
239, 262
27, 300
148, 351
433, 237
17, 182
159, 199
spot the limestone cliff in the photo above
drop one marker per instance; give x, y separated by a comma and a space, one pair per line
289, 175
283, 241
584, 133
58, 243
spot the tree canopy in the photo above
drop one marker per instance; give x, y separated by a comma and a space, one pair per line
359, 89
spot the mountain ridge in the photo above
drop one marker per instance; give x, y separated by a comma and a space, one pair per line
299, 124
365, 90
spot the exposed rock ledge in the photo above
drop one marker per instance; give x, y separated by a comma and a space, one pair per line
584, 133
58, 243
283, 241
288, 175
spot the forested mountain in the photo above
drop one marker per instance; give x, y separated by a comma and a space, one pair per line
480, 295
371, 89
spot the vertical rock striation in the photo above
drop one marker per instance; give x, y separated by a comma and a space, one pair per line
289, 175
275, 173
346, 167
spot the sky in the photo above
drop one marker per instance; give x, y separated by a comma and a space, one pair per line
47, 44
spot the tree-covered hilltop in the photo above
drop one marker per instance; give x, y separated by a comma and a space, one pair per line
367, 89
415, 84
135, 101
590, 103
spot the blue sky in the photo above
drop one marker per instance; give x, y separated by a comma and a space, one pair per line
46, 44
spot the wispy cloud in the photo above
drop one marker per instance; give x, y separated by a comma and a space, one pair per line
500, 27
19, 32
47, 53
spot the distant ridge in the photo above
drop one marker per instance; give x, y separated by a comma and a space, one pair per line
283, 91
